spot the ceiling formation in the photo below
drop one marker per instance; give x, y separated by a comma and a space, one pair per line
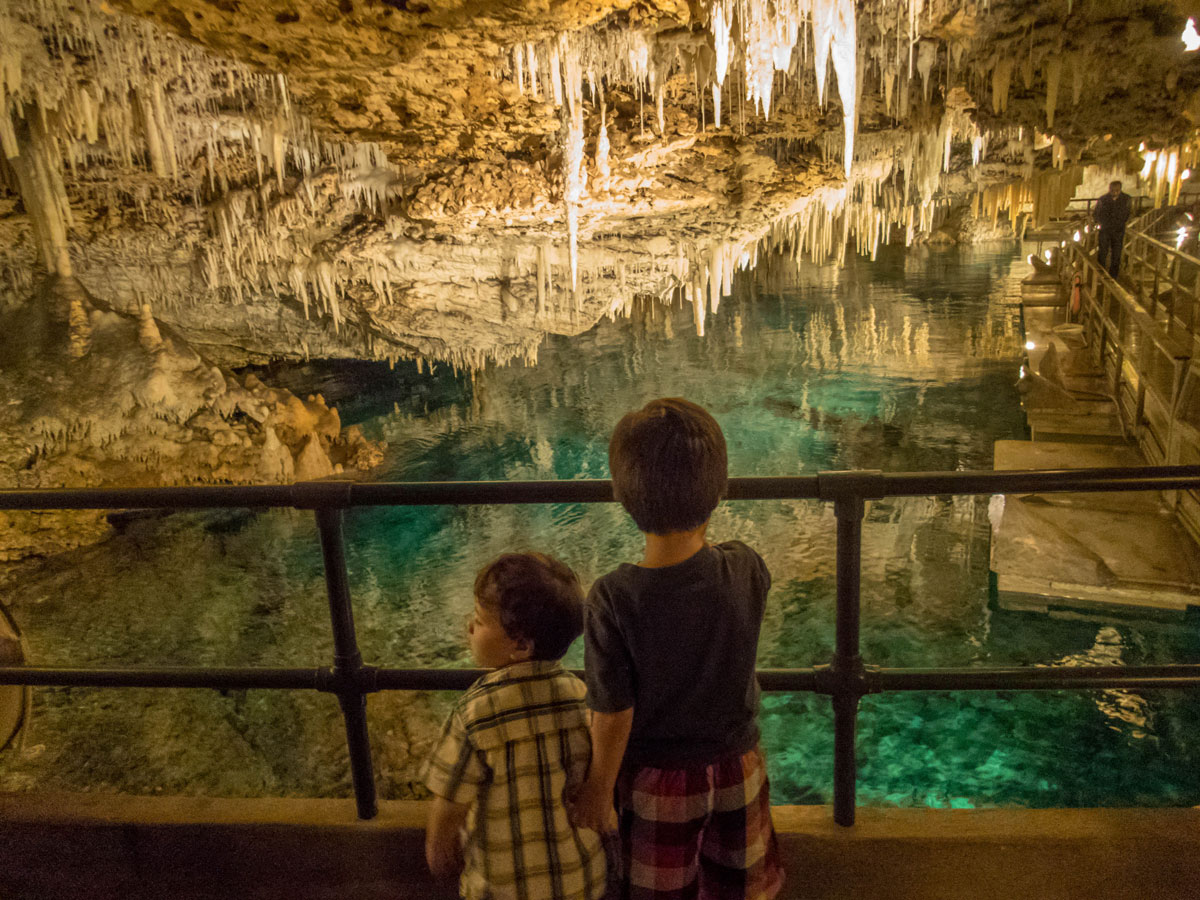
447, 181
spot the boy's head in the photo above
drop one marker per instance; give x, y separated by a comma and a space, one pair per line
668, 464
527, 606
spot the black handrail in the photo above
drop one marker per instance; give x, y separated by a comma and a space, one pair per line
846, 679
824, 486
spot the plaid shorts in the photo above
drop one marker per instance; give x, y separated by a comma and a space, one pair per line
699, 831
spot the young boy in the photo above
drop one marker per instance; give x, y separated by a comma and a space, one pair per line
670, 649
515, 745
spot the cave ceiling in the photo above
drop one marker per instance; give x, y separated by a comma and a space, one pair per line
449, 181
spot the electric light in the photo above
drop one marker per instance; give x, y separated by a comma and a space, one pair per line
1191, 38
1029, 345
1182, 236
1185, 175
1146, 169
1078, 237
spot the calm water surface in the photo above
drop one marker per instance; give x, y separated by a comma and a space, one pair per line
904, 364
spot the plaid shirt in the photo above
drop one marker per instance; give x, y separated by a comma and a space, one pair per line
513, 745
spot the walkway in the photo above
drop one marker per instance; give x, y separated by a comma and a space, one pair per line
1111, 383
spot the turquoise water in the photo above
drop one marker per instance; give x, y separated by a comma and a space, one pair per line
904, 364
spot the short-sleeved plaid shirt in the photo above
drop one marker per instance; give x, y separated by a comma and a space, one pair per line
516, 742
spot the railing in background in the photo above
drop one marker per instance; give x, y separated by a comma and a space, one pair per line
846, 678
1143, 333
1166, 282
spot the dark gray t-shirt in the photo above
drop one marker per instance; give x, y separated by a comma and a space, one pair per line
678, 644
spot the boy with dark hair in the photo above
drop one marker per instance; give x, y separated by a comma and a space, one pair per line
515, 745
670, 649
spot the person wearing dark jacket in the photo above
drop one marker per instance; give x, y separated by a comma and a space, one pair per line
1111, 213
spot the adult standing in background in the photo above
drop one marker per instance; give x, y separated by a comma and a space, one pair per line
1111, 213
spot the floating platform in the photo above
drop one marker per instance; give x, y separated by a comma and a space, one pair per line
1065, 394
1083, 554
1040, 290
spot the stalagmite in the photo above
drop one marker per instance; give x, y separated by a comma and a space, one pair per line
79, 326
148, 334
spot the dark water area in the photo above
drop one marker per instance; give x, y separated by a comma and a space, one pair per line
907, 363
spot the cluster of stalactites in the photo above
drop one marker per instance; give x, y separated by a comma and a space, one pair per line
762, 37
82, 86
120, 94
1040, 197
1164, 171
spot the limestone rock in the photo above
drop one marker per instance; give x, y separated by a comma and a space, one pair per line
312, 462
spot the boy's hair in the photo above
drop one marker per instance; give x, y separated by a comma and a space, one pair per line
537, 599
669, 465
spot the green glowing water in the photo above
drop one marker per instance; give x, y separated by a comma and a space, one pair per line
904, 364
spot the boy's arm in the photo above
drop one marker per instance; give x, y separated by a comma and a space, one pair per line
593, 806
443, 845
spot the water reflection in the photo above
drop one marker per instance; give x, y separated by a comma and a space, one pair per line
903, 364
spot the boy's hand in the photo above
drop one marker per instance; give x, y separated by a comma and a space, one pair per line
445, 859
443, 846
593, 808
593, 805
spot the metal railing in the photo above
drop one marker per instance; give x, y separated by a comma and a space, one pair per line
1166, 283
1142, 330
846, 678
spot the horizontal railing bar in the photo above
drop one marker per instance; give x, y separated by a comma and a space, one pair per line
1185, 258
817, 679
1034, 679
216, 497
314, 494
1144, 478
219, 678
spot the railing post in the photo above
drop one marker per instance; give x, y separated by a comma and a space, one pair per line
847, 664
848, 490
347, 660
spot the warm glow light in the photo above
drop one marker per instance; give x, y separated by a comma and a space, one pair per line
1191, 39
1029, 345
1149, 158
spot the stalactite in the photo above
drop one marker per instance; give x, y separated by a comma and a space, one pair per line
1053, 79
1078, 73
1001, 80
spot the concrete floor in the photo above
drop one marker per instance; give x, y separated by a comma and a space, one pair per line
63, 847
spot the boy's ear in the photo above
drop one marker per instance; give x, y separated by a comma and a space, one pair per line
523, 651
